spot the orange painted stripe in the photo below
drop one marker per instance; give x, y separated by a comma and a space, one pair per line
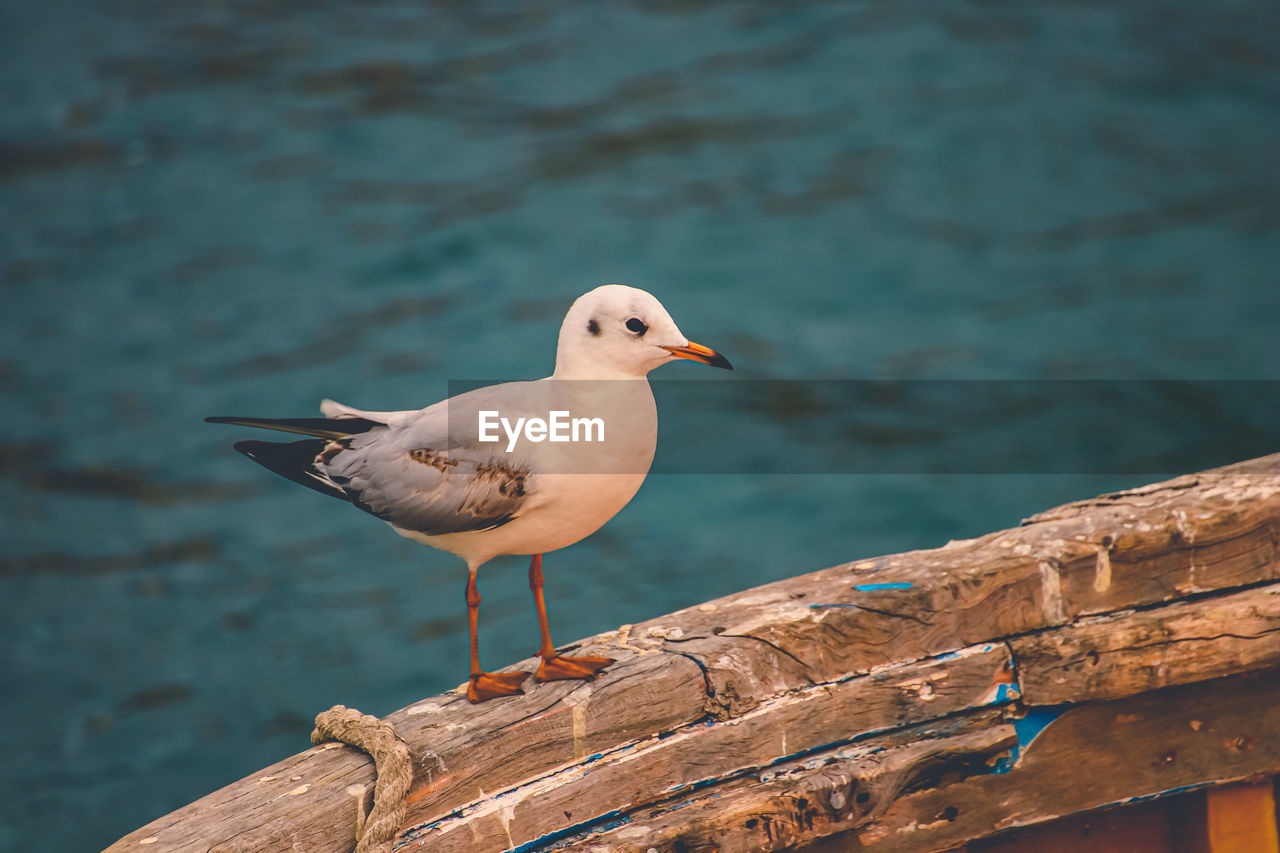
1242, 819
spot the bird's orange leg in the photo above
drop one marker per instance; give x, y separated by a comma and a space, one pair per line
486, 685
555, 667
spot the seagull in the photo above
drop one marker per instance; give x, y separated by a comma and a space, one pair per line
520, 468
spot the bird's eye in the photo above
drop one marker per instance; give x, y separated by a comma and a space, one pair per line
637, 325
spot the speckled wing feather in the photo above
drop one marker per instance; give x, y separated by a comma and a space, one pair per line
420, 480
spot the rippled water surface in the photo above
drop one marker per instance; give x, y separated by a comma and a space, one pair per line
242, 207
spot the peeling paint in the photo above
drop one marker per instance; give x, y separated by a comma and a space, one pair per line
1102, 571
1051, 592
1028, 729
362, 815
579, 727
1185, 530
770, 617
492, 809
1169, 792
603, 823
874, 587
624, 641
1000, 692
505, 816
429, 707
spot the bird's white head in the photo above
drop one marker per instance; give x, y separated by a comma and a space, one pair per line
617, 331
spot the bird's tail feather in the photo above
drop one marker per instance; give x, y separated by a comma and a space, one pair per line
319, 427
294, 460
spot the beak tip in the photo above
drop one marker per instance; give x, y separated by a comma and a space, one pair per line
700, 354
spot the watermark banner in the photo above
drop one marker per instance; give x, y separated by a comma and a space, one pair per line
1138, 427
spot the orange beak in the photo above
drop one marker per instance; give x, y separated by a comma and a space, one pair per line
699, 353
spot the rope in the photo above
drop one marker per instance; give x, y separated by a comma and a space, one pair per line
391, 763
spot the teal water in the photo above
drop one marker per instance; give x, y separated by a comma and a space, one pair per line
243, 207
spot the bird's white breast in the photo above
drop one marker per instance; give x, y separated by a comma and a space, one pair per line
575, 487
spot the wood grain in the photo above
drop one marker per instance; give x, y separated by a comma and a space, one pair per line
710, 753
766, 653
936, 788
1105, 657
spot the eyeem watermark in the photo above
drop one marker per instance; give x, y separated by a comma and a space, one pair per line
558, 426
1153, 428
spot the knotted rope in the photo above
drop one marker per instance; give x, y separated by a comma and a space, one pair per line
391, 763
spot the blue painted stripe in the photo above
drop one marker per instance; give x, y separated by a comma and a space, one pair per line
603, 823
1170, 792
1035, 722
872, 587
1028, 729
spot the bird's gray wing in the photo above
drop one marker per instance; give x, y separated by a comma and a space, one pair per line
420, 478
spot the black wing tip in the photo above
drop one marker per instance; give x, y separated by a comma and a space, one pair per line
318, 427
248, 447
293, 461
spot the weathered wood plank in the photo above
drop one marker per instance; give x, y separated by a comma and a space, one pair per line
1105, 657
942, 790
1206, 532
1198, 534
804, 800
709, 753
1189, 545
475, 750
1104, 754
1146, 827
460, 751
